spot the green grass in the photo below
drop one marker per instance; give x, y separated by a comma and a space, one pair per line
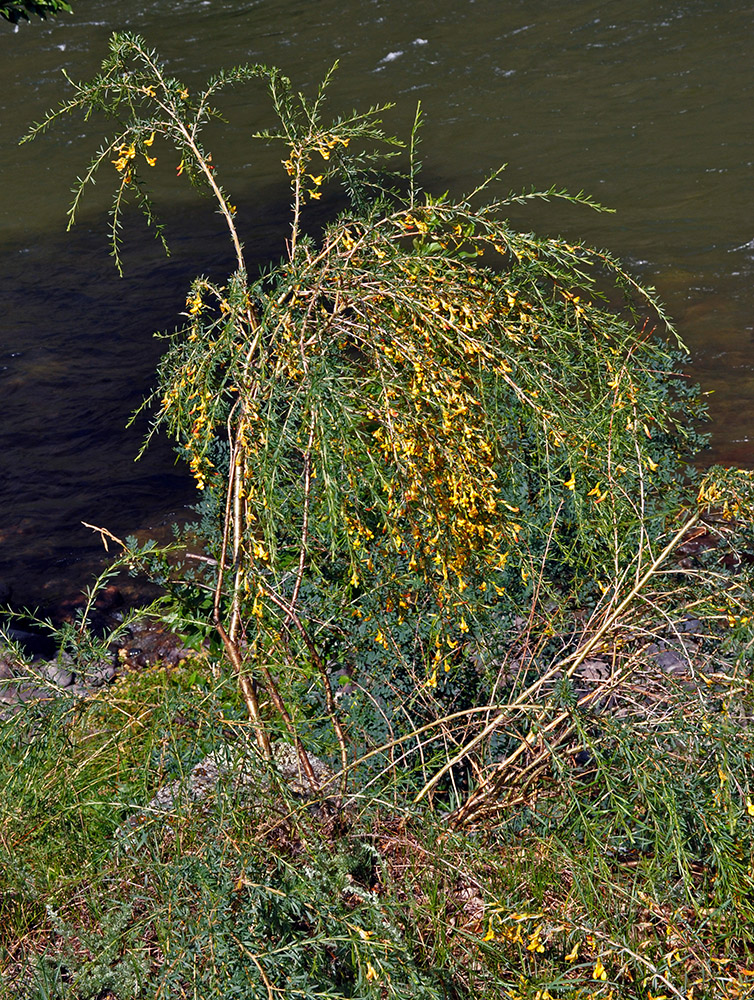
270, 898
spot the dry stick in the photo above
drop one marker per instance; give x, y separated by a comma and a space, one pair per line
575, 659
245, 683
235, 618
526, 651
388, 747
268, 985
492, 783
317, 661
277, 700
305, 524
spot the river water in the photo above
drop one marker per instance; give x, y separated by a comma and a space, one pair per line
645, 104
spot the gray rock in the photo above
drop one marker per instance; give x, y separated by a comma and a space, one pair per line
667, 659
29, 691
691, 625
248, 780
56, 674
596, 671
97, 676
288, 764
9, 693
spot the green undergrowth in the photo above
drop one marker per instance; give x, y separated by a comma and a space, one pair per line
616, 880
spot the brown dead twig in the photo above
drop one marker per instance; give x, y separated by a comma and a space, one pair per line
499, 775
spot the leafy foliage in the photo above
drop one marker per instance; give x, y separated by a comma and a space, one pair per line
419, 413
24, 10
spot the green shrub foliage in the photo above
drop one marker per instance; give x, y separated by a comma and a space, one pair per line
421, 421
24, 10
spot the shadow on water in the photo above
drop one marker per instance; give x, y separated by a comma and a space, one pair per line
77, 356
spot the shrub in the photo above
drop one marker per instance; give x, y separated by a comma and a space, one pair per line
417, 424
452, 537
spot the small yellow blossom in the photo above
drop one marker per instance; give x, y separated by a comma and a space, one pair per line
150, 140
535, 942
260, 551
599, 971
570, 484
127, 154
573, 954
749, 806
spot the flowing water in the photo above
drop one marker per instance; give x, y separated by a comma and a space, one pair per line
645, 104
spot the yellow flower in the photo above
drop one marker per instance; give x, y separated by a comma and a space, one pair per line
316, 180
150, 140
749, 806
127, 154
573, 954
599, 971
184, 94
260, 551
151, 160
535, 943
571, 483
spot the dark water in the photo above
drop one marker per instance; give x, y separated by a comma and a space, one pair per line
646, 105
